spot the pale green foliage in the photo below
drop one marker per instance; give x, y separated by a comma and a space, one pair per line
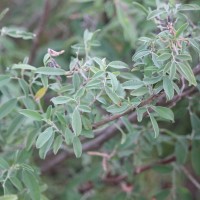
162, 60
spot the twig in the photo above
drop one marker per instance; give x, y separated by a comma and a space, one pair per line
164, 161
41, 26
190, 177
117, 116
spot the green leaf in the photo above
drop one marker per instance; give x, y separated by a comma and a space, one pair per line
100, 62
3, 13
44, 137
46, 147
57, 144
94, 84
31, 139
117, 109
164, 57
155, 13
61, 100
3, 164
118, 65
114, 81
195, 156
24, 67
80, 93
24, 85
9, 197
50, 71
77, 147
181, 29
68, 136
16, 182
61, 118
87, 124
87, 36
31, 184
7, 107
14, 127
140, 7
168, 87
4, 79
194, 44
187, 72
76, 122
49, 112
140, 112
181, 150
140, 54
164, 112
152, 80
17, 32
132, 84
76, 81
155, 125
195, 122
184, 57
46, 59
163, 169
124, 137
140, 92
32, 114
87, 133
112, 95
84, 108
187, 7
172, 72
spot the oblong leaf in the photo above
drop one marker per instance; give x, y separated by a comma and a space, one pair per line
187, 72
164, 112
195, 156
4, 79
155, 13
40, 93
24, 66
31, 184
118, 65
77, 147
7, 107
113, 96
44, 137
155, 125
50, 71
181, 29
9, 197
31, 114
76, 122
164, 57
61, 100
57, 144
168, 87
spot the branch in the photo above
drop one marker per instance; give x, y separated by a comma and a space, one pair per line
164, 161
191, 178
41, 26
117, 116
110, 131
